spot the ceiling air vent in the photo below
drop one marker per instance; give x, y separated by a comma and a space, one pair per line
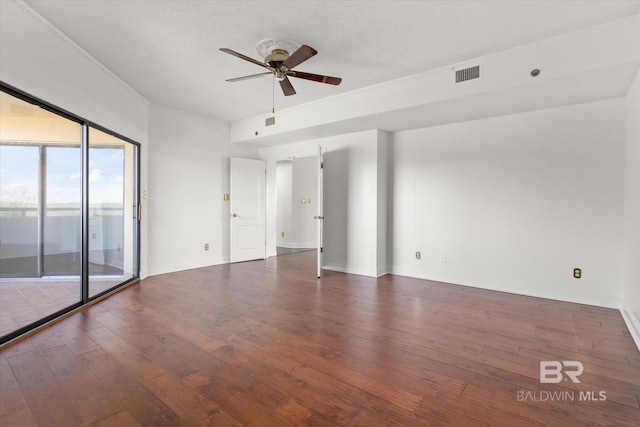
270, 121
469, 73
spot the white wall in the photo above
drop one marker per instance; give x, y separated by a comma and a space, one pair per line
188, 177
284, 184
350, 177
296, 180
515, 202
631, 299
272, 205
38, 59
304, 185
384, 208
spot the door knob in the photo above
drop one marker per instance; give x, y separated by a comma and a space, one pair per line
234, 215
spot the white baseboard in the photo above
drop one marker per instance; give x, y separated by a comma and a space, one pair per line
170, 268
501, 287
297, 245
633, 324
359, 272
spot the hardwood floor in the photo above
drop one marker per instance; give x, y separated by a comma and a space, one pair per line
266, 344
27, 300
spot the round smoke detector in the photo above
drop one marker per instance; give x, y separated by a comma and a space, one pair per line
267, 46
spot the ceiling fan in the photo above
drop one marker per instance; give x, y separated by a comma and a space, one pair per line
280, 63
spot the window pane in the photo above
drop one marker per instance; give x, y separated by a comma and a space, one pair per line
112, 225
19, 210
62, 217
39, 152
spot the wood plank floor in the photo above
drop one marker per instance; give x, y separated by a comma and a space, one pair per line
27, 300
266, 344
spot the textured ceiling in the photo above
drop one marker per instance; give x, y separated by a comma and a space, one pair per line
168, 51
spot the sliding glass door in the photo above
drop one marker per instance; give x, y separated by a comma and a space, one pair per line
68, 212
112, 211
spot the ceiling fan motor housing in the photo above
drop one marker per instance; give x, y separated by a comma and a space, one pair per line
276, 57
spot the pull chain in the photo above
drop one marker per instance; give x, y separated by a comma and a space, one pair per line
273, 95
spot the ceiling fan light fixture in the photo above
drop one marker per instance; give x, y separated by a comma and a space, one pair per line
280, 74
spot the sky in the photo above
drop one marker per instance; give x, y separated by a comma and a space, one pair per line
19, 174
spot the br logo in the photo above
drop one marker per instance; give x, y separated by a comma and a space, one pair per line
553, 371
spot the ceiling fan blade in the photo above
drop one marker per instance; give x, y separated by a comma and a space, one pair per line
287, 87
299, 56
237, 79
246, 58
315, 77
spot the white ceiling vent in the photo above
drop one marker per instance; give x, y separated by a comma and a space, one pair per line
468, 73
270, 121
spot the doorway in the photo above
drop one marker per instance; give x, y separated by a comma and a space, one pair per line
296, 205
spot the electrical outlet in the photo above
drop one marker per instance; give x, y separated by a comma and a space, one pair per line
443, 259
577, 273
206, 246
418, 255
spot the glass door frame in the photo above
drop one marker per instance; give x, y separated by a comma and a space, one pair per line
86, 210
84, 269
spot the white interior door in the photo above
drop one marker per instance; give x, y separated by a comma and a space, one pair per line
248, 213
320, 212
